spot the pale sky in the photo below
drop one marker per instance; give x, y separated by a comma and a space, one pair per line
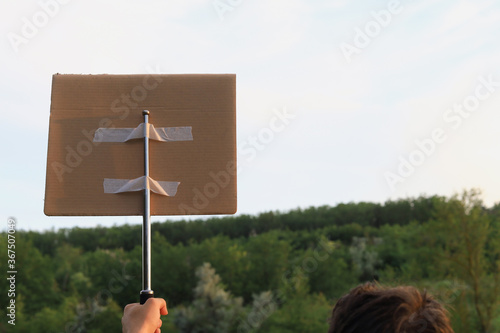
382, 99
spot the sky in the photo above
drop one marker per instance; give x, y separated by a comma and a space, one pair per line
376, 100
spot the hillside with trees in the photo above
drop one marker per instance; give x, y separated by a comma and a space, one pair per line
273, 272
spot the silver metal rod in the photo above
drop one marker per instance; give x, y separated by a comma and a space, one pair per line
146, 222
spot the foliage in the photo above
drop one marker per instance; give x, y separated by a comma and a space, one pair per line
276, 272
299, 310
213, 309
472, 253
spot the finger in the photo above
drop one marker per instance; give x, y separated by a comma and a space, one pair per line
163, 306
164, 311
156, 304
159, 323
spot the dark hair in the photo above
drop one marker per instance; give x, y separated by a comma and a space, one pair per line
370, 308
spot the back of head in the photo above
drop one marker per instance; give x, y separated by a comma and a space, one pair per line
370, 308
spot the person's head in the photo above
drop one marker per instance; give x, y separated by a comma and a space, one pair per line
370, 308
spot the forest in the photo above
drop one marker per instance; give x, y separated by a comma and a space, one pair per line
272, 272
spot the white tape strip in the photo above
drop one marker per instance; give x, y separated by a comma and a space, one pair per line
168, 189
164, 134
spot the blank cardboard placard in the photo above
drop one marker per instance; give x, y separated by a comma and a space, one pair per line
205, 167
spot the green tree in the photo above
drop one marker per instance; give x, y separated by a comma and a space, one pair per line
213, 309
328, 270
299, 310
469, 239
263, 306
268, 257
49, 319
68, 262
36, 279
364, 257
111, 275
229, 258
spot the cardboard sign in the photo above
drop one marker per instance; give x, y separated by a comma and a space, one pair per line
205, 166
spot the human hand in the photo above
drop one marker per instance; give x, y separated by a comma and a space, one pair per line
144, 318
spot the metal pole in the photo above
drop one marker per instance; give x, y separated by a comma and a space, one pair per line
146, 291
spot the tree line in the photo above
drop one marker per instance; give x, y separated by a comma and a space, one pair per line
400, 212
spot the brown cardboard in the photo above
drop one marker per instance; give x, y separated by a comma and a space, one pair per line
77, 166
